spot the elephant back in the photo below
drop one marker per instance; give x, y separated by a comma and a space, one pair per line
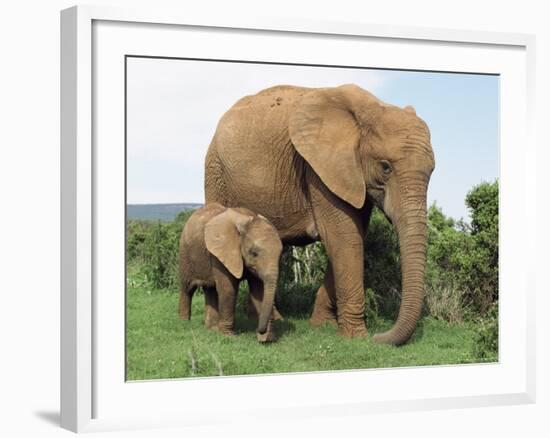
252, 163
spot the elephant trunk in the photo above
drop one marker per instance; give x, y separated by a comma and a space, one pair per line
412, 232
270, 286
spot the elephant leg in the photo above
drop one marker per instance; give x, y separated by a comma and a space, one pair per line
341, 228
227, 287
349, 289
256, 296
211, 315
324, 310
186, 296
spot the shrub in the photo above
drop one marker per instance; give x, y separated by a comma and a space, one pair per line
372, 317
304, 265
136, 233
301, 273
449, 246
155, 245
161, 265
382, 267
482, 201
296, 299
486, 338
446, 303
464, 258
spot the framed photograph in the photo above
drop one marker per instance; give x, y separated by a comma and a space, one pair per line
268, 217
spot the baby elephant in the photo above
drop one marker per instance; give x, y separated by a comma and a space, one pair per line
219, 246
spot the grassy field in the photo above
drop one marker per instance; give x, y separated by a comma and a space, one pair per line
159, 345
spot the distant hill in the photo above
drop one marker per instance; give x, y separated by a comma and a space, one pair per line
162, 212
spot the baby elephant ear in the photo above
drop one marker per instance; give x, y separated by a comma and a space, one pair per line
222, 235
325, 133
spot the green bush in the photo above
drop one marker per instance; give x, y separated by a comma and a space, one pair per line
382, 268
483, 204
449, 249
301, 274
161, 266
463, 259
155, 245
486, 337
372, 311
136, 234
296, 299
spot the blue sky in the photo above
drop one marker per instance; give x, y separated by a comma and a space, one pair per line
174, 106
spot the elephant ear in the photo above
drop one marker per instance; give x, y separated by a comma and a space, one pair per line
222, 235
325, 133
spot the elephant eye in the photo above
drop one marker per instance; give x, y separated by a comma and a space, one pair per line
386, 167
254, 252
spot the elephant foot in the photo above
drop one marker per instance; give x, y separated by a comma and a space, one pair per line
353, 331
322, 317
318, 322
226, 332
211, 319
324, 310
211, 323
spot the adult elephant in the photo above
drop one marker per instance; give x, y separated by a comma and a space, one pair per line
315, 161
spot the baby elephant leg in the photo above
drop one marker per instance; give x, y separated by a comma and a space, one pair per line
211, 314
324, 309
186, 296
227, 287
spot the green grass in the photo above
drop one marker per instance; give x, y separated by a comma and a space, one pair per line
160, 345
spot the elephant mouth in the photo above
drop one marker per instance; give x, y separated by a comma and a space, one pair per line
376, 195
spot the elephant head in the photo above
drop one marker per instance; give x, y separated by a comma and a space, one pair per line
239, 238
367, 151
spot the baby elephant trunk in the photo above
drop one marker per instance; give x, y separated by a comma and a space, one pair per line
270, 286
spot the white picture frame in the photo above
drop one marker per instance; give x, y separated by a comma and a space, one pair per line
89, 34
